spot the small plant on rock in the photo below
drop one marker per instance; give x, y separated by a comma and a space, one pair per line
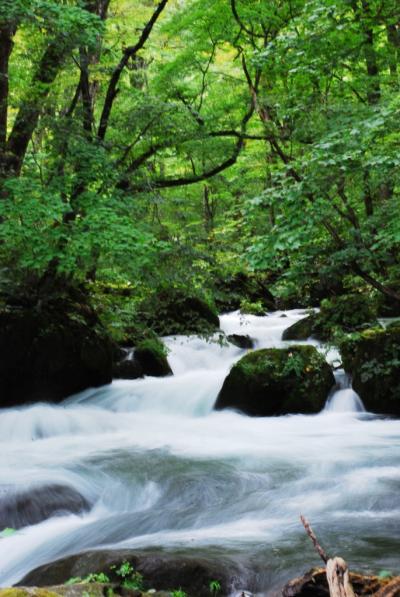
215, 587
130, 578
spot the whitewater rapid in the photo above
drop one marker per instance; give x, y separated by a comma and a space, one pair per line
161, 469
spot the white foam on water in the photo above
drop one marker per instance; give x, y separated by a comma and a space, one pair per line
164, 470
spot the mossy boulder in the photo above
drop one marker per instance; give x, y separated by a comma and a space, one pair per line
152, 357
148, 358
300, 330
372, 357
274, 381
161, 571
30, 592
51, 349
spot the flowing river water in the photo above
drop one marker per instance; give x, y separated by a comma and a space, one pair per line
162, 470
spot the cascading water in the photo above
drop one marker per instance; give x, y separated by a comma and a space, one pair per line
160, 469
343, 397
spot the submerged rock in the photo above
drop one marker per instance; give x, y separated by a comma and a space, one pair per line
160, 571
23, 507
276, 381
241, 340
300, 330
49, 351
372, 357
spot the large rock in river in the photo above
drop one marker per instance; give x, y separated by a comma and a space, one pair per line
372, 357
51, 350
276, 381
21, 507
160, 571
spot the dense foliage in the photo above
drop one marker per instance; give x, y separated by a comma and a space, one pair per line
146, 146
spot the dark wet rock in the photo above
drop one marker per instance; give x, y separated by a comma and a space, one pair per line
148, 358
129, 368
241, 340
160, 571
24, 507
315, 584
52, 349
372, 357
234, 291
300, 330
152, 357
275, 381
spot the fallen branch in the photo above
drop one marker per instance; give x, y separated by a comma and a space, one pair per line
311, 534
337, 570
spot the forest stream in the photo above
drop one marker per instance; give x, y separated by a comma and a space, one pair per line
162, 471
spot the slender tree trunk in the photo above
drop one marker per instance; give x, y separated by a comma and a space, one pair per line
7, 32
29, 112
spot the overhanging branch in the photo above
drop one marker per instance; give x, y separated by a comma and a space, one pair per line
129, 53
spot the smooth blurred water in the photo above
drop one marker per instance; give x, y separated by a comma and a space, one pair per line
163, 470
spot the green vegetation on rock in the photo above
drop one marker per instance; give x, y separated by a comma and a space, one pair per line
276, 381
372, 357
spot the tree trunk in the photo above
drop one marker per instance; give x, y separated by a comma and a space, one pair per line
29, 112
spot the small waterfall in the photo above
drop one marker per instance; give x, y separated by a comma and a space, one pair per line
344, 398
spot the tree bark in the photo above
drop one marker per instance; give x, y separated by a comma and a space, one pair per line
29, 112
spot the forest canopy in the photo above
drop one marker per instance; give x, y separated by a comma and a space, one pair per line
176, 143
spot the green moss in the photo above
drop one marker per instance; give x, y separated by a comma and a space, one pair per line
155, 346
152, 356
278, 381
13, 592
27, 592
372, 357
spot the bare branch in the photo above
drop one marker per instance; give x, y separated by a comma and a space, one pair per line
128, 53
314, 539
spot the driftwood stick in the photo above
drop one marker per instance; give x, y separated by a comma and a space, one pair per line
337, 571
314, 539
337, 574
